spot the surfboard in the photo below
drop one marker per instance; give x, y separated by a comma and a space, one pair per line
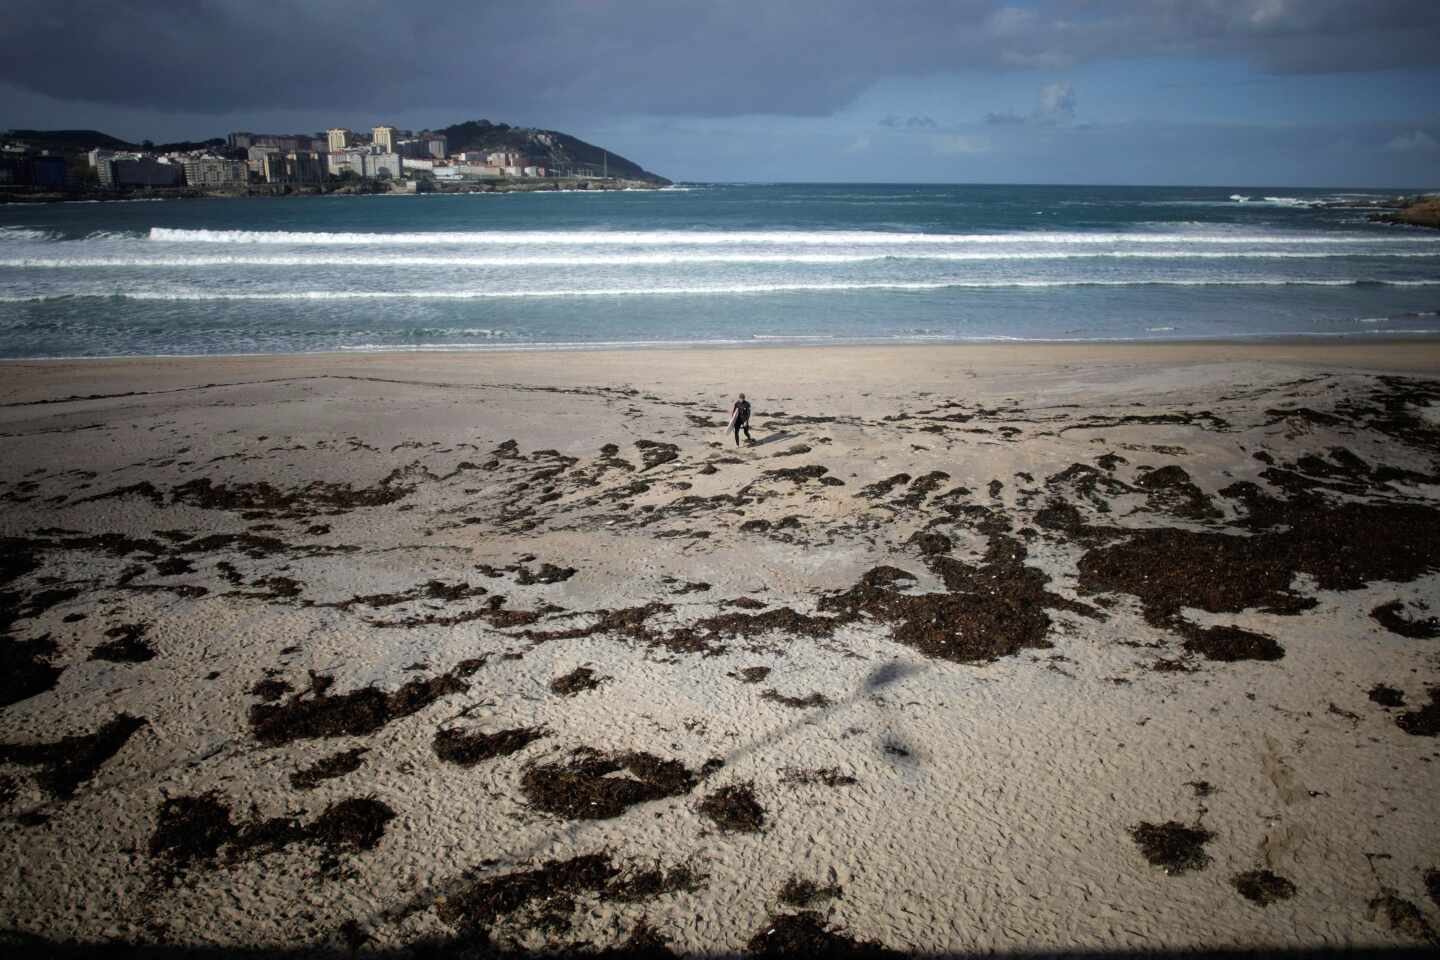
731, 425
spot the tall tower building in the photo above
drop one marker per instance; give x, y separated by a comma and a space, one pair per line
339, 138
384, 137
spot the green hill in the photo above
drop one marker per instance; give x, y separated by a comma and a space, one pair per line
560, 152
548, 148
73, 141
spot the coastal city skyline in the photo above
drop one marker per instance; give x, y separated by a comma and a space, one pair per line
1251, 91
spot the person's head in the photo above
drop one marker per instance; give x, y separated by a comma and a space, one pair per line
742, 396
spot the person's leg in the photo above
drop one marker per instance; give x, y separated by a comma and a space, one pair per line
748, 438
737, 434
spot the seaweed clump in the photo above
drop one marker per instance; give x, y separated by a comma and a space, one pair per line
1263, 887
194, 830
328, 768
576, 681
734, 809
467, 749
829, 776
1342, 547
810, 700
126, 645
1230, 643
801, 893
314, 714
1392, 617
584, 788
805, 934
548, 889
1172, 846
1424, 722
71, 761
635, 885
1402, 916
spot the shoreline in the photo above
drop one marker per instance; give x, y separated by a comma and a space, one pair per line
281, 191
1309, 348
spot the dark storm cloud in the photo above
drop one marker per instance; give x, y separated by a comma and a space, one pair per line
798, 57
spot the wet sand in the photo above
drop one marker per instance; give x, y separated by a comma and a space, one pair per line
978, 648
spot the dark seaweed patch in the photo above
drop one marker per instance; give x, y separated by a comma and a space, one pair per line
270, 689
644, 943
1230, 643
1341, 547
576, 681
810, 700
174, 566
829, 776
328, 768
193, 830
1171, 490
882, 488
654, 453
990, 611
71, 761
806, 934
466, 749
190, 830
1402, 916
1387, 696
1263, 887
1172, 846
357, 823
24, 668
126, 645
584, 788
636, 884
1424, 722
255, 497
547, 889
797, 475
1432, 885
734, 809
313, 713
802, 893
744, 603
751, 674
1392, 617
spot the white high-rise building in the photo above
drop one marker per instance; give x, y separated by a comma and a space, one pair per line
384, 138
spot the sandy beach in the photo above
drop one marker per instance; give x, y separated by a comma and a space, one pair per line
978, 648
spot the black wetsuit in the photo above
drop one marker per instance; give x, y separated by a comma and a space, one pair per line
742, 420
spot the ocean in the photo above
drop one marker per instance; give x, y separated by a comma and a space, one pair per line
731, 264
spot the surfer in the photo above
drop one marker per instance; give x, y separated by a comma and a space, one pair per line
740, 419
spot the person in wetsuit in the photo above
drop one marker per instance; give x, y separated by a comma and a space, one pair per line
740, 419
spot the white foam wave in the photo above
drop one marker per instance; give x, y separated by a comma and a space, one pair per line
23, 234
672, 259
684, 238
729, 289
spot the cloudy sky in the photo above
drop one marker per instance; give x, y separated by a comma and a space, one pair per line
1224, 92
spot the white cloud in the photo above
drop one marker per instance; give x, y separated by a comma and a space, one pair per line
956, 145
859, 145
1057, 102
1417, 141
1056, 107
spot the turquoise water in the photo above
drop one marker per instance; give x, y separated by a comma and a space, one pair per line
732, 264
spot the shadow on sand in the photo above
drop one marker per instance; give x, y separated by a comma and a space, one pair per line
26, 946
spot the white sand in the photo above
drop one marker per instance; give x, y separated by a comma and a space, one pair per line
1003, 826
